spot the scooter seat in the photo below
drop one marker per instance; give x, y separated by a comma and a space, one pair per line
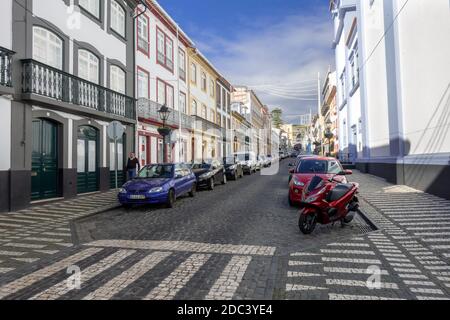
339, 191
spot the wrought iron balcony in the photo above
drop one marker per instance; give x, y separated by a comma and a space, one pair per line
148, 109
43, 80
204, 125
5, 67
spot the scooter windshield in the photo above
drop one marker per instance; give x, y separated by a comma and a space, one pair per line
315, 183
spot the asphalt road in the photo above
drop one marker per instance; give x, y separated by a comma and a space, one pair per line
251, 211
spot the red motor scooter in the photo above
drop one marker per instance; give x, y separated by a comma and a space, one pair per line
327, 201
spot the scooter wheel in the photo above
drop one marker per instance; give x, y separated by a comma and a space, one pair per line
307, 223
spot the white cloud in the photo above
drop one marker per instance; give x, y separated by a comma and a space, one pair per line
293, 49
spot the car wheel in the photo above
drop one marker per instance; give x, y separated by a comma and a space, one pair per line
193, 190
224, 181
211, 184
171, 199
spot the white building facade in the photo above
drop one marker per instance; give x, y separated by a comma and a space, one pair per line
404, 88
161, 78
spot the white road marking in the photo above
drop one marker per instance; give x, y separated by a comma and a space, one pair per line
355, 283
303, 263
298, 287
62, 288
351, 270
362, 252
294, 274
226, 286
170, 286
127, 277
426, 290
349, 260
43, 273
334, 296
186, 246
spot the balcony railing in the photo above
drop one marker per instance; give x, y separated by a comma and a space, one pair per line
5, 67
41, 79
203, 125
148, 109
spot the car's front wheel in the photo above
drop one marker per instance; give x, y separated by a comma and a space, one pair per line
171, 199
224, 181
211, 184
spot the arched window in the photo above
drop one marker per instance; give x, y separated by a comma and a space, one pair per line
117, 79
88, 66
117, 18
47, 47
194, 108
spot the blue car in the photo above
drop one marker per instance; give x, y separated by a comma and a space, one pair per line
159, 184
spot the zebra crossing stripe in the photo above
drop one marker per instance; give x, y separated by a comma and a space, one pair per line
335, 296
426, 290
362, 252
294, 274
351, 270
431, 298
226, 286
301, 254
170, 286
303, 263
349, 245
62, 287
126, 278
349, 260
355, 283
299, 287
43, 273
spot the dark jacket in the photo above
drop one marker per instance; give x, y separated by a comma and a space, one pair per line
132, 164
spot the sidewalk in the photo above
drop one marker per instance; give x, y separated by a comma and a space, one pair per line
411, 250
41, 231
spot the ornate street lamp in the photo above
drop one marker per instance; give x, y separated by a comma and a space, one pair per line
328, 133
164, 114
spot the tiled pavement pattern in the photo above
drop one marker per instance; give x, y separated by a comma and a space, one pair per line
42, 231
410, 254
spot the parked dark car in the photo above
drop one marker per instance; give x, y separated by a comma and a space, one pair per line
158, 183
233, 168
209, 173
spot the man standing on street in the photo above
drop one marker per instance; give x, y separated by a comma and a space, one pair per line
132, 165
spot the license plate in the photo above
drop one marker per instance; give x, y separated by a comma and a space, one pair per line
137, 197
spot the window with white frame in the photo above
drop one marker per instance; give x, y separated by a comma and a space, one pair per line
47, 47
88, 66
91, 6
143, 84
165, 49
182, 102
117, 79
182, 64
194, 108
143, 34
117, 18
343, 86
193, 73
211, 88
165, 94
204, 80
354, 65
204, 112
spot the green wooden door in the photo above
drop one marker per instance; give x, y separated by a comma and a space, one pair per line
44, 162
87, 160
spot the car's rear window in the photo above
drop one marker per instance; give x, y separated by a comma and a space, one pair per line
319, 166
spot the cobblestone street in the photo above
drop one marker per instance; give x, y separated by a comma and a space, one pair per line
240, 241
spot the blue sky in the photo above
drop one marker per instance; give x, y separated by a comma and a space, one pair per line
275, 46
